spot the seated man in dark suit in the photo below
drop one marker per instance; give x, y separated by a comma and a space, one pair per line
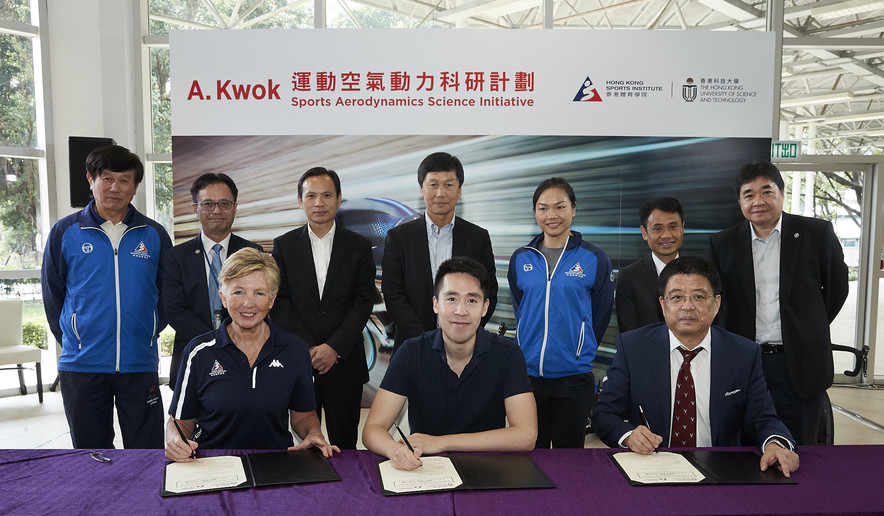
713, 389
414, 250
190, 269
662, 227
462, 383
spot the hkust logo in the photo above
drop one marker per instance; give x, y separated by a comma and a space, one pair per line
689, 90
587, 92
140, 251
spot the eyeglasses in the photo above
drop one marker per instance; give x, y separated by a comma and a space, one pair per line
679, 299
210, 205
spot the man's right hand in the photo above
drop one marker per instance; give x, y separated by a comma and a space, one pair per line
405, 459
643, 441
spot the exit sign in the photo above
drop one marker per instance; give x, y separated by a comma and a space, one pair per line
785, 151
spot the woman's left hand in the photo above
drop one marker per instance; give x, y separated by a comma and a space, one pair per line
317, 441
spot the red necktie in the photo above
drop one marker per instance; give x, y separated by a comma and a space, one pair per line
684, 412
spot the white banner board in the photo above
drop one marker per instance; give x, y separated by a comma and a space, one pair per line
464, 82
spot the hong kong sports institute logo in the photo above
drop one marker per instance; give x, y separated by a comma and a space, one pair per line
587, 92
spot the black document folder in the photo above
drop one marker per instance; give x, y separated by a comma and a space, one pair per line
722, 467
269, 469
492, 471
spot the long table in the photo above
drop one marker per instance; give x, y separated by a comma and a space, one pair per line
831, 480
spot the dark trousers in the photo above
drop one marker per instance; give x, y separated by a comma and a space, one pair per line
89, 400
341, 406
801, 416
563, 406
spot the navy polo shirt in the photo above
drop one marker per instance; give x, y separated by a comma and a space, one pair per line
238, 406
440, 402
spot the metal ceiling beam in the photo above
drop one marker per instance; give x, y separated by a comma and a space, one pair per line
735, 9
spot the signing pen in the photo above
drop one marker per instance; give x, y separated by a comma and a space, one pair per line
404, 439
192, 453
641, 411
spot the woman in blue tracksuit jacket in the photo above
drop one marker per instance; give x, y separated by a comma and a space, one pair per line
563, 293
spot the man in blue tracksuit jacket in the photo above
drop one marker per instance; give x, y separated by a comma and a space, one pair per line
562, 290
101, 291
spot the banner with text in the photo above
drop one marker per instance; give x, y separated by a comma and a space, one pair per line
553, 82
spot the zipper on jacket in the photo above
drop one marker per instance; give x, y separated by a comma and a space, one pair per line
76, 333
582, 336
154, 332
549, 277
254, 375
119, 311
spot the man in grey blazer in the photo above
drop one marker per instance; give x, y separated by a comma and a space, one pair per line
187, 267
414, 250
662, 227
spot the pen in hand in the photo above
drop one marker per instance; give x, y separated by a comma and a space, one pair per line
183, 438
404, 439
641, 411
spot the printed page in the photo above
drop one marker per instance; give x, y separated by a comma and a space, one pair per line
658, 468
436, 473
205, 473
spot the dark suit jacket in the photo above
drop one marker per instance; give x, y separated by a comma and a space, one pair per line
738, 399
339, 318
636, 299
407, 280
813, 287
186, 292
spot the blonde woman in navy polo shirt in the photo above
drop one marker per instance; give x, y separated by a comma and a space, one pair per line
240, 385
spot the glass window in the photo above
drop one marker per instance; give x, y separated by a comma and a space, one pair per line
16, 10
366, 17
227, 14
18, 112
161, 103
20, 239
163, 188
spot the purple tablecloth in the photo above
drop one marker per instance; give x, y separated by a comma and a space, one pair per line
831, 480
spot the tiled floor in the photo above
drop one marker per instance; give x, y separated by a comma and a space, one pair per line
25, 423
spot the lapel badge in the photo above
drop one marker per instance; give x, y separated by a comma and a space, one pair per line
795, 235
197, 251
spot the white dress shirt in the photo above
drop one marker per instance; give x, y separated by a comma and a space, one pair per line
658, 263
766, 263
701, 370
208, 243
322, 249
439, 241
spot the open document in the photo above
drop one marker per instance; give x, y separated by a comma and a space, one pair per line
696, 467
658, 468
243, 471
468, 471
437, 473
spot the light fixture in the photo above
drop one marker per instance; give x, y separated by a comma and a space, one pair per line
850, 7
828, 98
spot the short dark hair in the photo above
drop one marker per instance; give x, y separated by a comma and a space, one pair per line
758, 168
665, 204
212, 178
554, 182
462, 264
439, 162
115, 159
689, 265
320, 171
